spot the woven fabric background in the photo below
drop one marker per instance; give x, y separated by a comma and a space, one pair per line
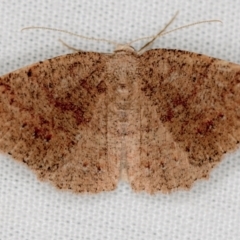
30, 209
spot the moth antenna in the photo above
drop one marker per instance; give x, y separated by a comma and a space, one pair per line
70, 33
162, 33
192, 24
75, 49
156, 36
70, 47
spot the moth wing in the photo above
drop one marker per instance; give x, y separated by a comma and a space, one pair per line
54, 118
190, 117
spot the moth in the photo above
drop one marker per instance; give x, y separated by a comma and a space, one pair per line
160, 119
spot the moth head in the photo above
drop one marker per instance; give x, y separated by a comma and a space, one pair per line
124, 48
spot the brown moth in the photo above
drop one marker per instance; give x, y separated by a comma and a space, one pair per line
161, 119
